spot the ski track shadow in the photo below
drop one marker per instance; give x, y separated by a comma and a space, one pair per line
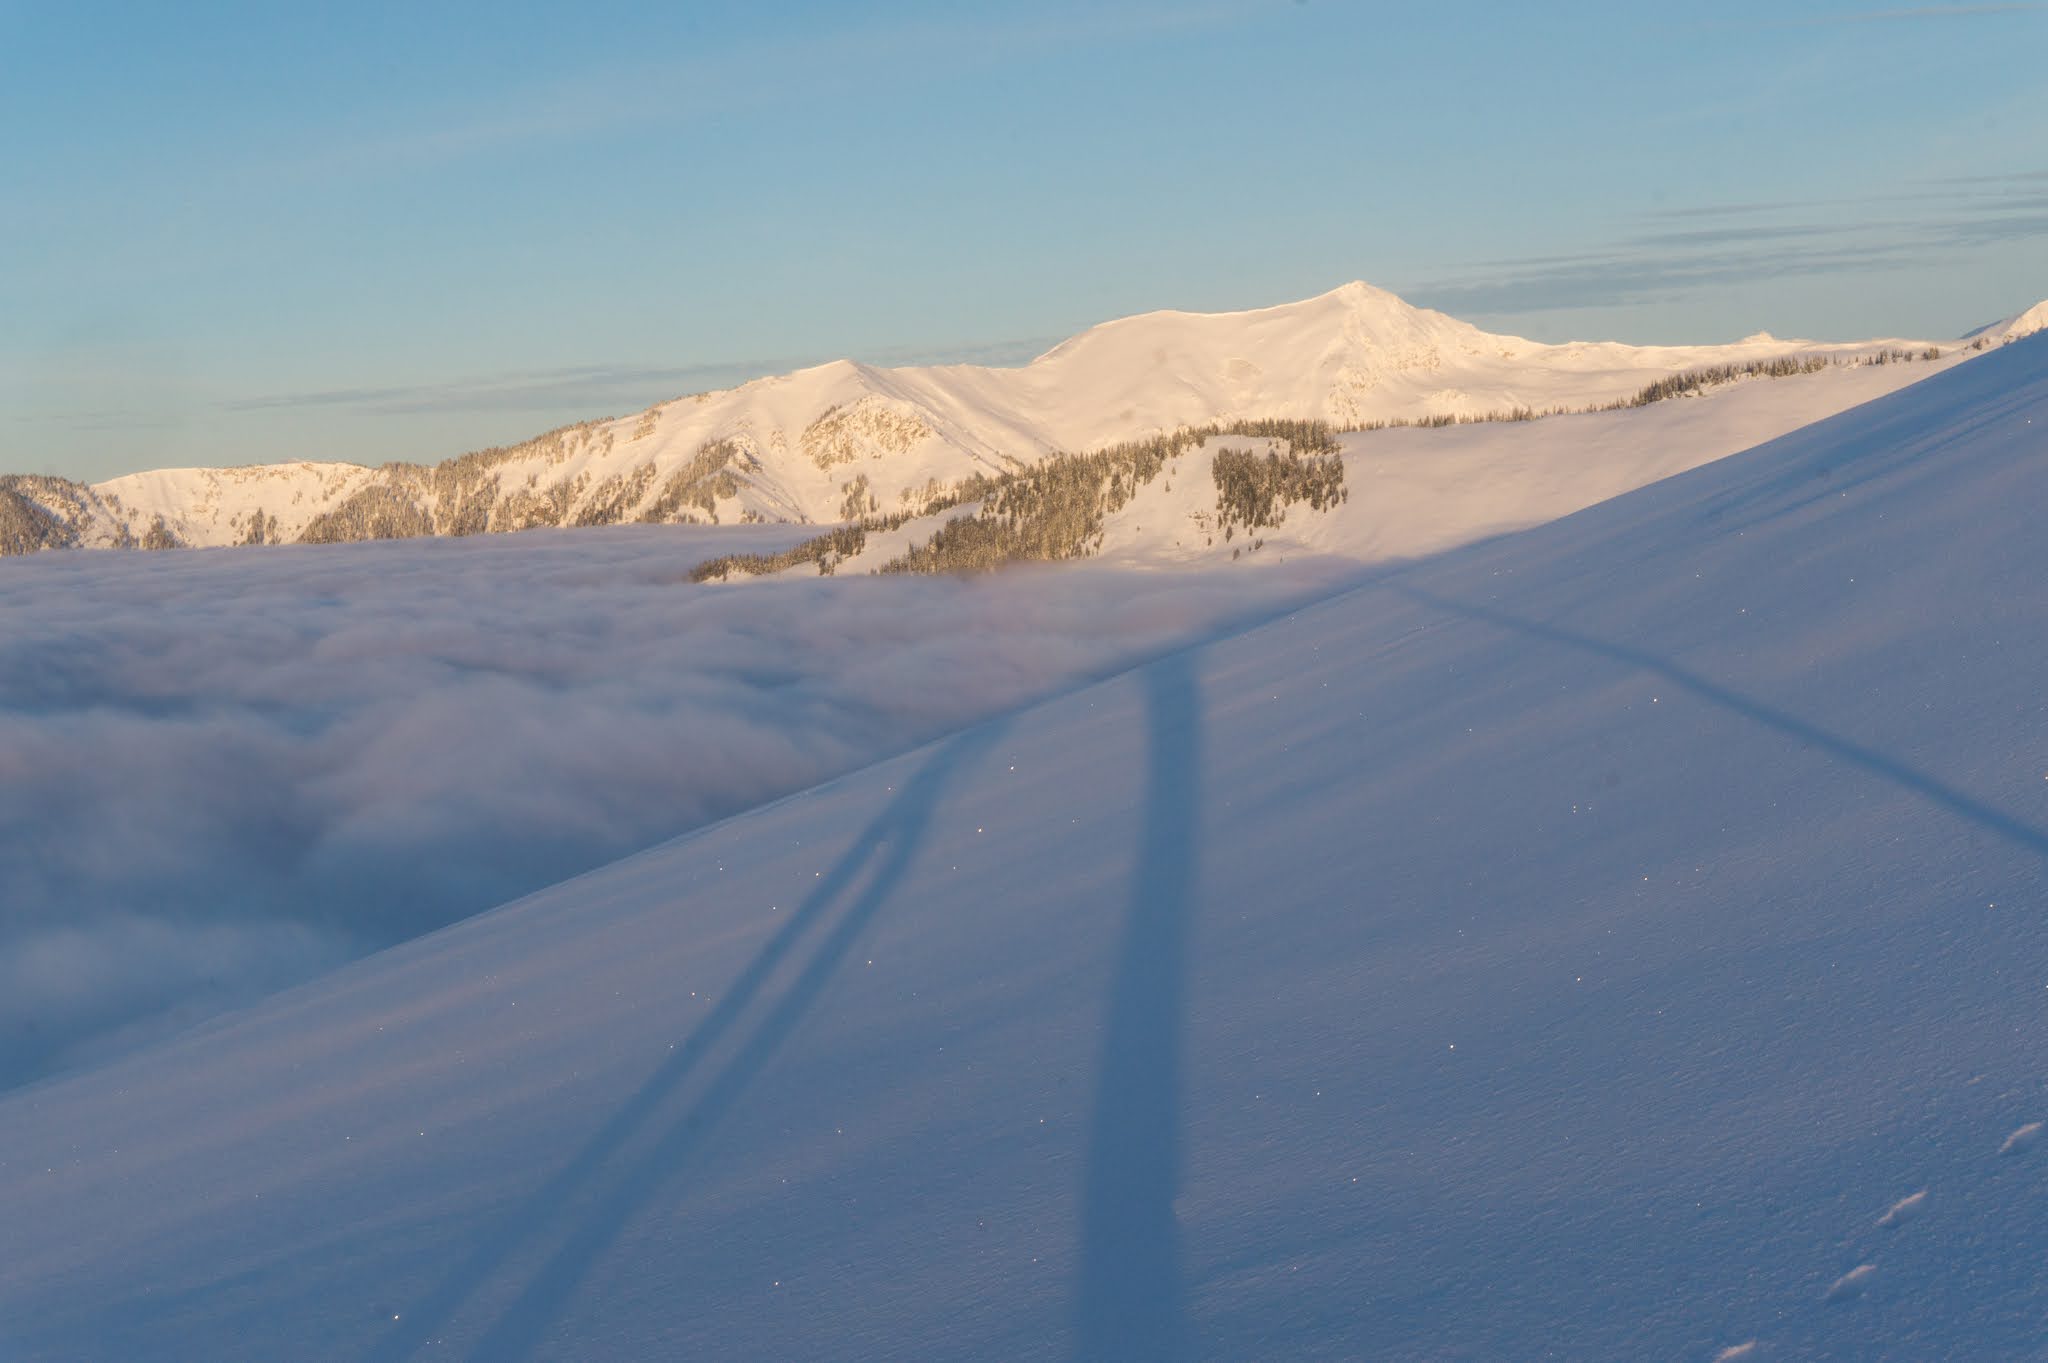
1131, 1302
890, 843
1992, 820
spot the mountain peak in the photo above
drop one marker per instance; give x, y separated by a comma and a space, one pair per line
1358, 293
2027, 323
844, 438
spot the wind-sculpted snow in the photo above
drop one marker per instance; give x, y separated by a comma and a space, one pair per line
223, 771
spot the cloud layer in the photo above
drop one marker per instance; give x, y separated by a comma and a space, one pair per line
223, 771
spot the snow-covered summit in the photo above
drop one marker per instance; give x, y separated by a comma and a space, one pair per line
844, 439
1356, 313
2014, 328
2027, 323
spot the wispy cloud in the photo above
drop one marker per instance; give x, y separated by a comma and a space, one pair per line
1735, 210
672, 88
1728, 236
1736, 243
1618, 280
2010, 178
93, 420
1915, 12
515, 390
1988, 190
595, 388
2010, 227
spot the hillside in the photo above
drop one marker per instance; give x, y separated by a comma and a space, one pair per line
1619, 940
1383, 494
422, 729
845, 439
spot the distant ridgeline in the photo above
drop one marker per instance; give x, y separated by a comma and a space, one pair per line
1047, 511
880, 449
461, 496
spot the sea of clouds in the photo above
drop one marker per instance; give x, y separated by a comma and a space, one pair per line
224, 771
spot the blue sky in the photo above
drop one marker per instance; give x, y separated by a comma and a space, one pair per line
243, 232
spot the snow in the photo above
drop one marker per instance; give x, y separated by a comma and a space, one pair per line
301, 781
225, 771
1352, 356
1853, 1283
1558, 946
2024, 1139
1416, 490
2026, 324
216, 506
1904, 1210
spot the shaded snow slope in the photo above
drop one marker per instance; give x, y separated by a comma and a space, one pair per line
1618, 941
822, 444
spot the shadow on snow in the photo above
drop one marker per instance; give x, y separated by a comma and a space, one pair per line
890, 844
1131, 1304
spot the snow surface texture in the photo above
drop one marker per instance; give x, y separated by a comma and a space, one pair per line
1571, 946
223, 772
794, 446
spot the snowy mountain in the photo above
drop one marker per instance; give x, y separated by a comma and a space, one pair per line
556, 700
2034, 319
1398, 491
844, 439
1617, 940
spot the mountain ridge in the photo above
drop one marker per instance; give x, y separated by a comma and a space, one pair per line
843, 439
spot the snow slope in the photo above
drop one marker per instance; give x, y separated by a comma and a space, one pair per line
825, 443
216, 506
1621, 940
2034, 319
2010, 329
1416, 490
300, 781
224, 773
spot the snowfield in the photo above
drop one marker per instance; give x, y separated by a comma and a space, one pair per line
1621, 939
